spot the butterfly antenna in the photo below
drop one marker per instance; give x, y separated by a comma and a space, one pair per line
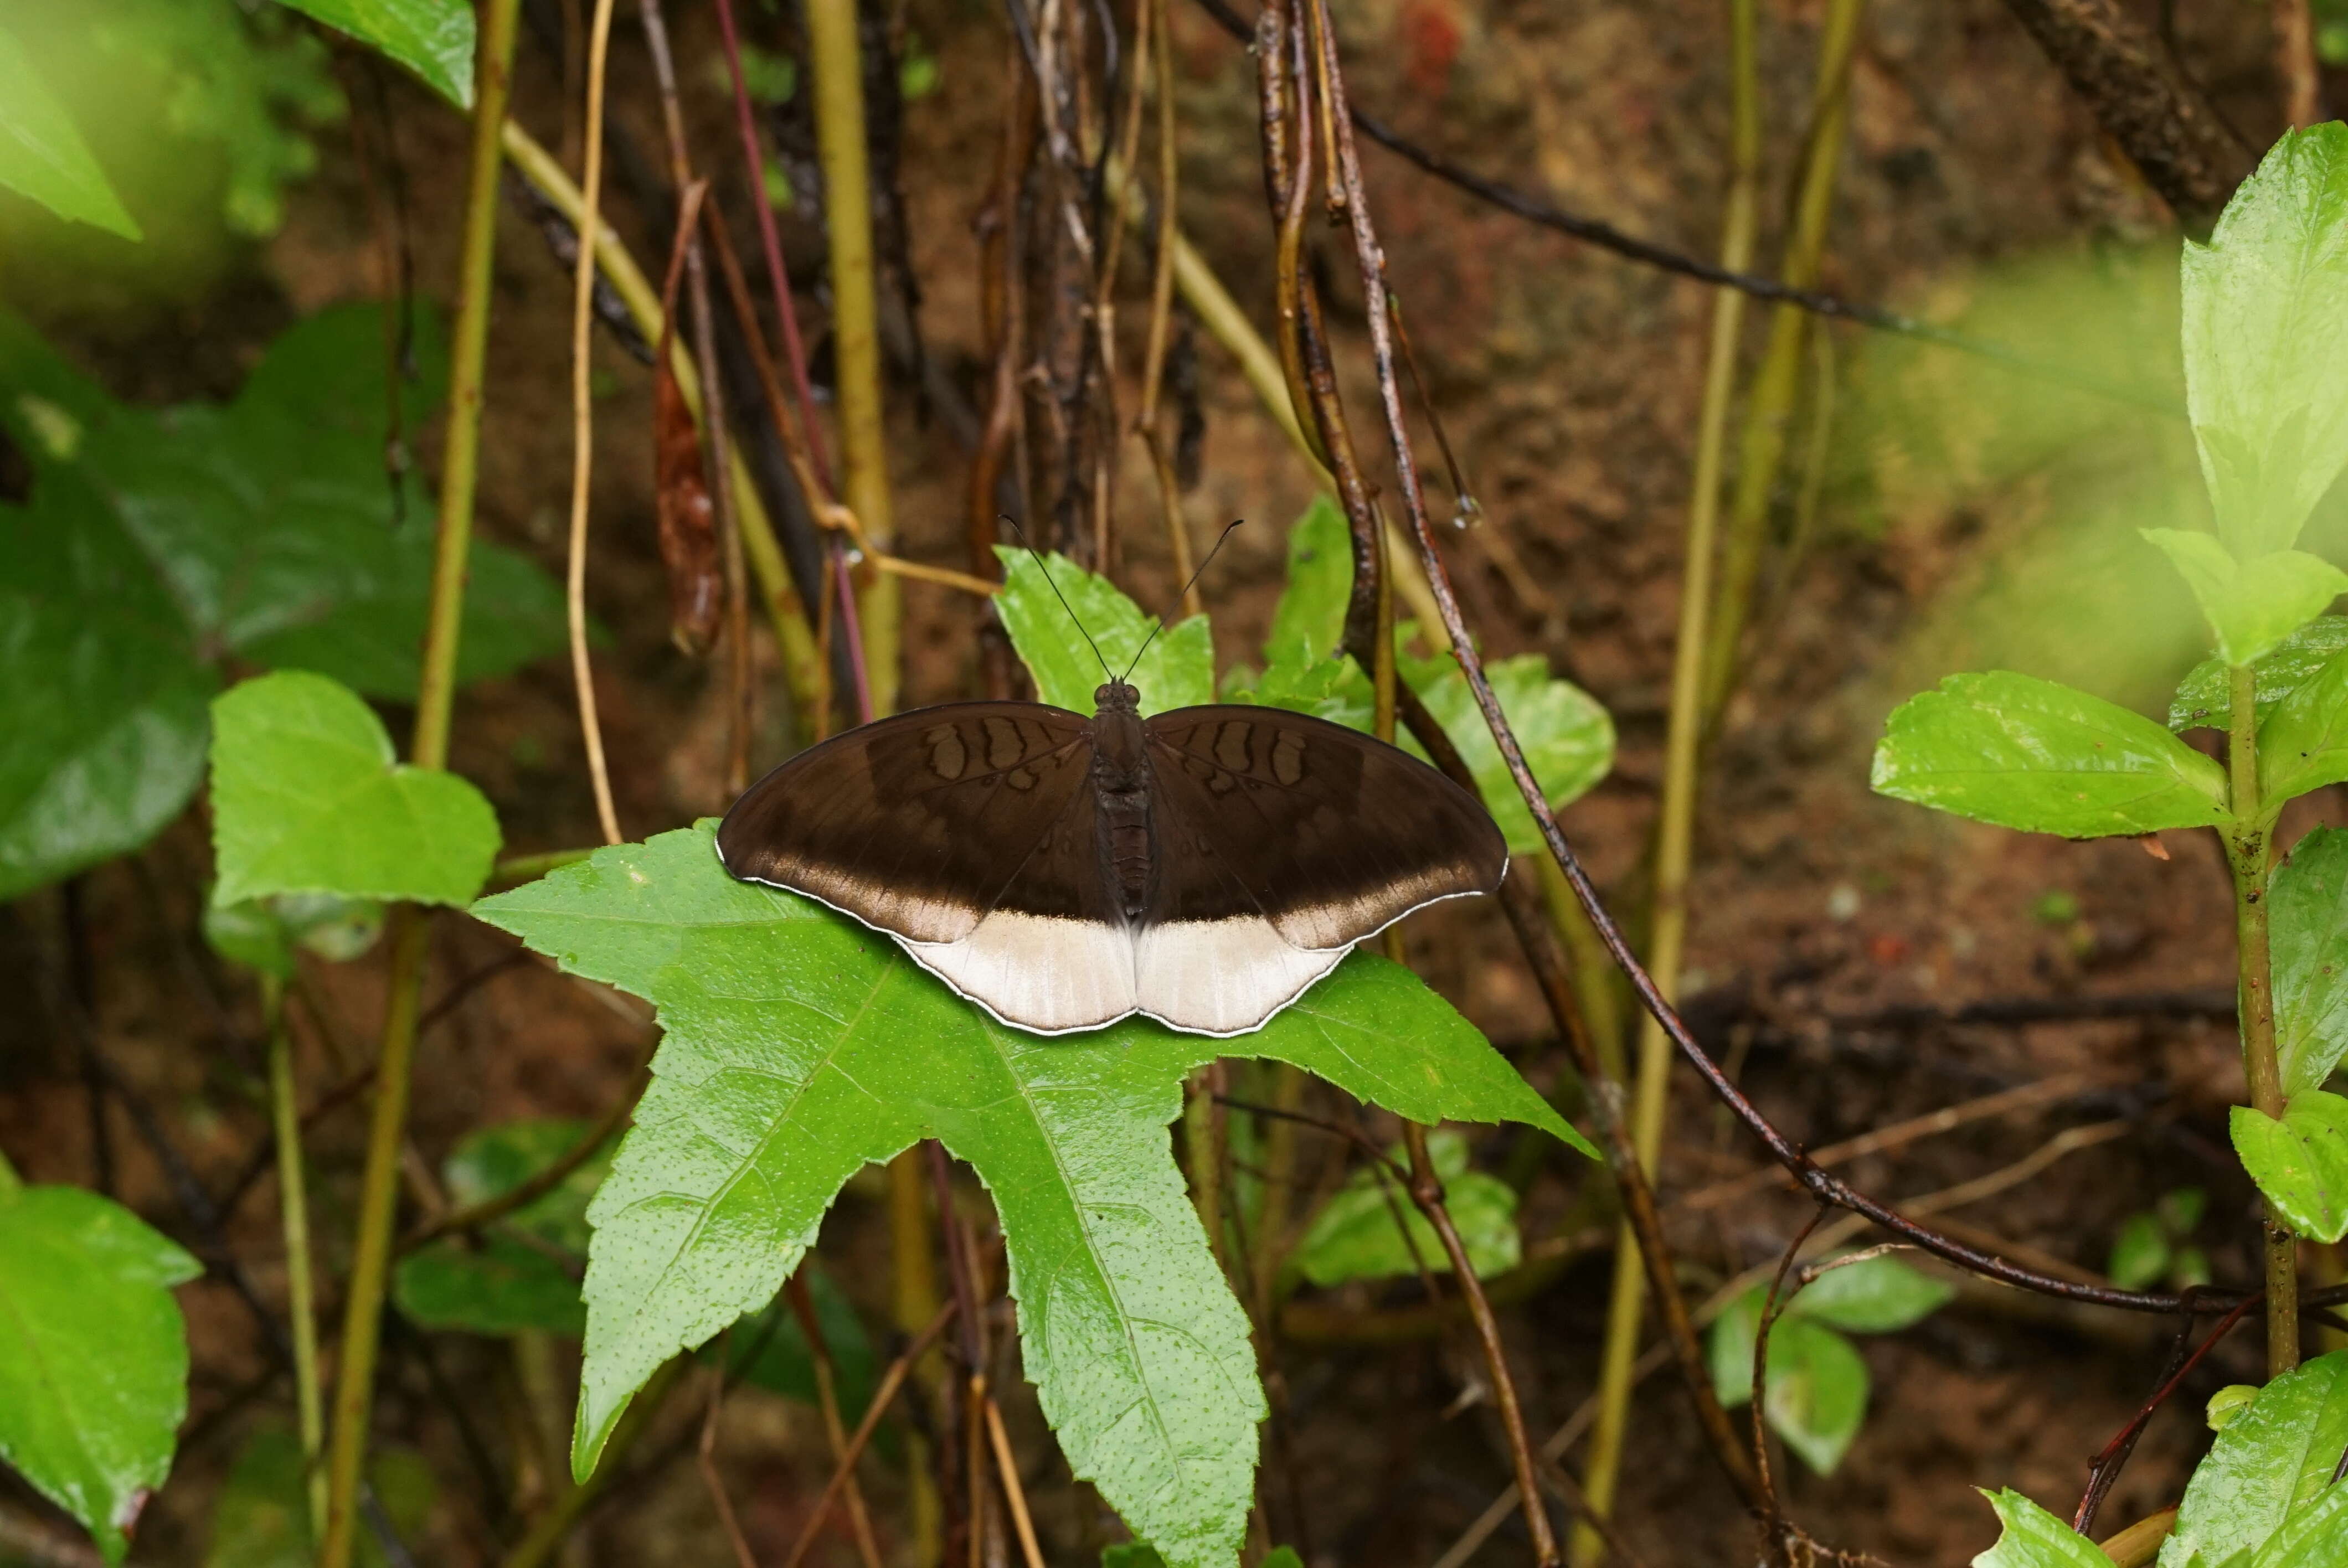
1158, 623
1055, 586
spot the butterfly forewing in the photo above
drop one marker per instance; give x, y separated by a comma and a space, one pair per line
920, 823
1324, 834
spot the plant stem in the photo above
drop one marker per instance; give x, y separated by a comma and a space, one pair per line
913, 1298
838, 74
2247, 844
412, 931
582, 422
1776, 385
1202, 1140
11, 1183
1427, 1192
293, 1207
536, 165
1682, 750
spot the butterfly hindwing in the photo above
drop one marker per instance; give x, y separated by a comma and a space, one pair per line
1327, 835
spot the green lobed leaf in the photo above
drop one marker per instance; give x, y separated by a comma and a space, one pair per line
93, 1355
2307, 922
262, 934
2033, 1537
2206, 697
2252, 606
261, 1518
2304, 742
434, 38
1880, 1296
2269, 1463
2140, 1252
43, 155
799, 1046
103, 708
2027, 754
309, 797
2299, 1163
2266, 342
1177, 671
1354, 1236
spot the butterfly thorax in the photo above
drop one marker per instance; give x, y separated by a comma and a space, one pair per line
1120, 784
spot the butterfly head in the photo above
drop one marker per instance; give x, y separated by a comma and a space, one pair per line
1116, 697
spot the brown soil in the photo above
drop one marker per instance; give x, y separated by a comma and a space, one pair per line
1571, 379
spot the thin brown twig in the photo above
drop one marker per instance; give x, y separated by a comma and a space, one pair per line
2105, 1467
2005, 1101
741, 705
890, 1382
582, 426
1427, 1192
473, 1216
705, 1452
827, 1389
1007, 1466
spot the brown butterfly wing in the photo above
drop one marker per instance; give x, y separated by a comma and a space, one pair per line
1325, 833
924, 824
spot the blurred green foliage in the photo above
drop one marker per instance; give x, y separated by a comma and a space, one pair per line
201, 112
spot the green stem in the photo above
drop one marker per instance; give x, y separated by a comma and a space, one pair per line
11, 1183
459, 471
1769, 408
2246, 845
1203, 1145
838, 86
293, 1205
1683, 745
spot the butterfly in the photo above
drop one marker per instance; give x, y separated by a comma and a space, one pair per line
1203, 866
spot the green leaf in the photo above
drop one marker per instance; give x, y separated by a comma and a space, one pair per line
1568, 738
2299, 1163
2304, 742
1131, 1554
273, 520
2226, 1403
2033, 1537
2315, 1537
2266, 1467
309, 797
2028, 753
1817, 1391
1817, 1384
524, 1274
1334, 689
434, 38
1177, 670
261, 1518
1880, 1296
2205, 698
93, 1355
2139, 1251
799, 1046
1308, 625
2252, 606
1355, 1235
2307, 915
43, 155
262, 933
2266, 342
104, 707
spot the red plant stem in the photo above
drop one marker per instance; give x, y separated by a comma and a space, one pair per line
2107, 1462
777, 274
